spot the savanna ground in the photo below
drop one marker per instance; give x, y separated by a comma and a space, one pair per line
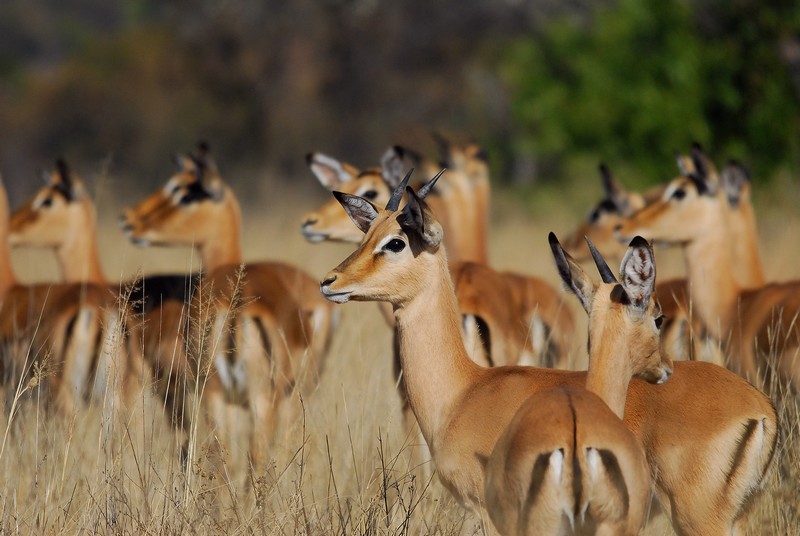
341, 462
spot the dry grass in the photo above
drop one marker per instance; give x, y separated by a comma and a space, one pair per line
341, 460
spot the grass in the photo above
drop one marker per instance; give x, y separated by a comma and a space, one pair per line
341, 462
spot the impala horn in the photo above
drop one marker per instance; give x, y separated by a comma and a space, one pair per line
428, 186
605, 272
397, 195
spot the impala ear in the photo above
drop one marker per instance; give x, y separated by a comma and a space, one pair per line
614, 191
361, 211
704, 176
417, 218
183, 162
63, 181
685, 164
328, 171
734, 178
638, 272
392, 169
572, 274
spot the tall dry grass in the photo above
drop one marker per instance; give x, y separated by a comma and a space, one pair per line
342, 461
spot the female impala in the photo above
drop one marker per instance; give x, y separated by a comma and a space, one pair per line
56, 327
61, 216
695, 211
521, 318
279, 325
727, 428
566, 463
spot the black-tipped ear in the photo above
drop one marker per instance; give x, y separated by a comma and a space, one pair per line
704, 175
638, 272
65, 184
361, 211
734, 177
418, 219
392, 168
572, 274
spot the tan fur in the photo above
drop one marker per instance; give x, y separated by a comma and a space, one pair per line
462, 408
509, 303
577, 434
751, 324
236, 301
100, 359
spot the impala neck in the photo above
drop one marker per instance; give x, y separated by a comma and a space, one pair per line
609, 371
78, 256
713, 287
744, 240
7, 279
435, 364
222, 246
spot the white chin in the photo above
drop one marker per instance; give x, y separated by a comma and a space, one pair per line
338, 298
314, 238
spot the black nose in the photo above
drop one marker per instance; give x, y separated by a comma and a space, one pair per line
328, 281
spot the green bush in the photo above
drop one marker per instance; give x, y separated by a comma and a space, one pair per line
643, 78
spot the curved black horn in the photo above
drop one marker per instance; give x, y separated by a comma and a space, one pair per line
397, 195
428, 186
605, 272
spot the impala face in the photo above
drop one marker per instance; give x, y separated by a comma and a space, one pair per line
688, 206
330, 222
47, 218
187, 208
624, 313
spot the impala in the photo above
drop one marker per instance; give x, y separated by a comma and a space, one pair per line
566, 463
695, 210
74, 332
259, 329
62, 216
727, 429
521, 318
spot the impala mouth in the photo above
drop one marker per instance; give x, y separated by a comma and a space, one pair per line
336, 297
665, 374
313, 237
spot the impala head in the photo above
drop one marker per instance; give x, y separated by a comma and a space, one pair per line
617, 204
624, 316
329, 222
193, 203
398, 245
59, 208
470, 158
690, 206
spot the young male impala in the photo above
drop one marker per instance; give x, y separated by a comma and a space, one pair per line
695, 211
258, 330
566, 464
727, 428
521, 318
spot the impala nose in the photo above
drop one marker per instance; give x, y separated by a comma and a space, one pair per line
327, 282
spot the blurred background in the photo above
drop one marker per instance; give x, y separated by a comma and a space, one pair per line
549, 87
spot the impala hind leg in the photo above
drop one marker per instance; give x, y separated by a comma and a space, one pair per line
259, 356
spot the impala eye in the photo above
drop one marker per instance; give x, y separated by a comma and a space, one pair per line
47, 202
679, 194
659, 320
370, 194
395, 245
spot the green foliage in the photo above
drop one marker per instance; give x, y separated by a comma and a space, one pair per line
646, 77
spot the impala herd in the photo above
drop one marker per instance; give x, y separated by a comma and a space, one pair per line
481, 356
